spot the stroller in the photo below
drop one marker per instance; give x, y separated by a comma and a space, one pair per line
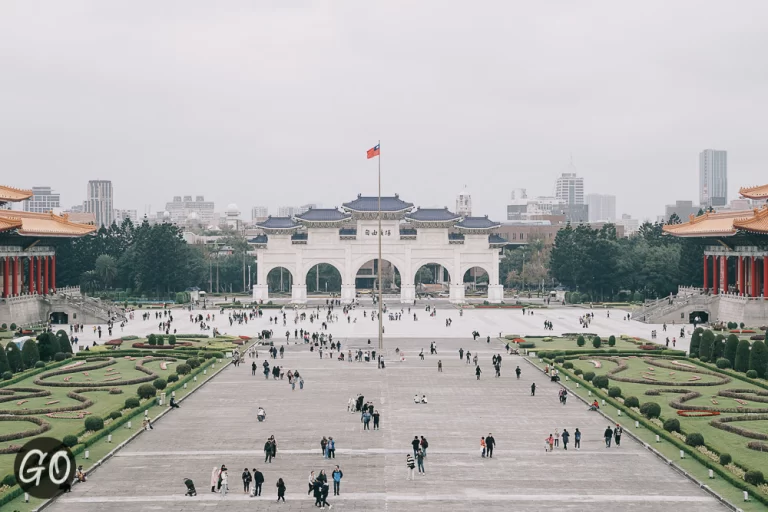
190, 487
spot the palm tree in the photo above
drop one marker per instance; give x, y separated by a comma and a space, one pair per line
106, 269
90, 280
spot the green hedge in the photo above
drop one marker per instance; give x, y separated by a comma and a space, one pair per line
692, 452
32, 372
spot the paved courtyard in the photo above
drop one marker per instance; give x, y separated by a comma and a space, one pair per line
217, 425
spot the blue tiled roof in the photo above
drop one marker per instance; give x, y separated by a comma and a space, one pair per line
432, 215
348, 232
455, 236
371, 204
407, 232
323, 215
477, 223
278, 223
299, 236
496, 239
259, 239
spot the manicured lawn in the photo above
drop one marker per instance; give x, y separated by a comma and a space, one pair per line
724, 442
560, 343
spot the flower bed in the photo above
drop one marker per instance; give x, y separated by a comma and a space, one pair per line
114, 343
697, 413
722, 424
162, 347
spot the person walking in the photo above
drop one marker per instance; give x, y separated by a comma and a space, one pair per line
366, 420
224, 479
420, 462
324, 488
490, 442
557, 438
565, 436
518, 371
280, 490
337, 475
533, 389
411, 465
376, 417
268, 451
608, 435
258, 480
424, 445
246, 481
550, 443
253, 368
331, 448
478, 372
617, 435
483, 446
415, 444
323, 447
577, 439
311, 482
439, 366
461, 354
215, 478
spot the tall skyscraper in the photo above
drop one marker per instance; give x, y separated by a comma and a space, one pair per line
713, 178
259, 213
179, 210
43, 200
602, 207
570, 188
99, 201
464, 203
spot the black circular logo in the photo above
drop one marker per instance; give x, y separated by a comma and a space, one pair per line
43, 467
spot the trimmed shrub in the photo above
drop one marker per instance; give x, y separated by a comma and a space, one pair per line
146, 391
703, 359
596, 342
725, 459
614, 391
718, 349
183, 369
632, 401
29, 354
758, 358
568, 365
672, 425
559, 360
173, 378
588, 376
172, 339
578, 371
94, 423
13, 326
218, 355
611, 340
526, 344
9, 480
742, 356
600, 381
705, 346
132, 403
694, 439
731, 345
693, 351
160, 383
60, 356
160, 340
7, 375
69, 441
39, 364
752, 374
151, 339
193, 362
754, 477
580, 341
115, 414
723, 363
650, 410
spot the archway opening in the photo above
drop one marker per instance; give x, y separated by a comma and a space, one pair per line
323, 278
475, 281
367, 277
432, 279
279, 281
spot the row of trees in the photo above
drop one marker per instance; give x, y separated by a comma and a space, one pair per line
149, 259
730, 352
47, 347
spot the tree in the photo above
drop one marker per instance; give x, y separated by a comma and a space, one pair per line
89, 280
47, 345
106, 269
596, 342
693, 351
14, 357
64, 343
29, 354
705, 347
758, 358
4, 366
731, 346
718, 348
742, 357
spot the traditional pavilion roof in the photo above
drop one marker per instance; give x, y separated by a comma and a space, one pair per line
757, 223
259, 239
323, 215
709, 224
477, 223
13, 195
44, 224
371, 204
432, 215
758, 192
278, 223
8, 224
495, 239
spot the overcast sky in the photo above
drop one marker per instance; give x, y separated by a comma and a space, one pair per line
258, 103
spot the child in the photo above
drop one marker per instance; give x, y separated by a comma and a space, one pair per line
482, 445
550, 443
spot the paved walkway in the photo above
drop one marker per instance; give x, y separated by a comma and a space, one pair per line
217, 426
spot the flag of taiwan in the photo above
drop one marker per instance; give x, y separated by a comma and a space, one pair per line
374, 151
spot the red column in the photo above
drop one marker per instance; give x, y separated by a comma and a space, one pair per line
39, 276
45, 276
706, 277
715, 275
6, 273
15, 280
53, 272
31, 283
753, 277
765, 276
741, 275
724, 263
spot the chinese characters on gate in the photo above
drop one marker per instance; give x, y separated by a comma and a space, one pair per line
374, 232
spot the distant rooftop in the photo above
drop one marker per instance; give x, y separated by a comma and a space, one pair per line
432, 215
323, 215
371, 204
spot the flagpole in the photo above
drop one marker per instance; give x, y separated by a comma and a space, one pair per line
381, 327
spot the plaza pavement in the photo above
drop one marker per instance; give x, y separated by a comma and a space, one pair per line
489, 322
217, 425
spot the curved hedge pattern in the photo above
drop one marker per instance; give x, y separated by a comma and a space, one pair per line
722, 424
9, 395
43, 426
101, 363
622, 366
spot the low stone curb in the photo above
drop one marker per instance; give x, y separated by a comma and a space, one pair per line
133, 436
653, 450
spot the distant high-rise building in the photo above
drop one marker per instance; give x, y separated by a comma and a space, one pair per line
121, 215
286, 211
683, 210
99, 201
464, 203
570, 188
713, 178
259, 213
43, 200
601, 207
180, 209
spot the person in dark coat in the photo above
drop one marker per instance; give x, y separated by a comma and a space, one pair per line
280, 490
324, 495
565, 436
317, 491
258, 480
608, 435
533, 389
246, 481
478, 372
490, 442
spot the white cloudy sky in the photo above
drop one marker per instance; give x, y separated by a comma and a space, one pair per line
275, 102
